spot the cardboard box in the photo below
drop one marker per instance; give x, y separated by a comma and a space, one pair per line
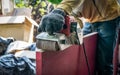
19, 27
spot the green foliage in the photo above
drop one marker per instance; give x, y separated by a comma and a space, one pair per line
26, 3
43, 4
39, 7
55, 1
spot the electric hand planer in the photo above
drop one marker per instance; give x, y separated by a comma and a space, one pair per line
52, 42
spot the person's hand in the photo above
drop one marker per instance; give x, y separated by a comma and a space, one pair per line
52, 22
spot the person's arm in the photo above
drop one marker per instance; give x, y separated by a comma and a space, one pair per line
69, 5
55, 20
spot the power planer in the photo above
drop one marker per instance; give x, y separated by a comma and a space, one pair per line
52, 42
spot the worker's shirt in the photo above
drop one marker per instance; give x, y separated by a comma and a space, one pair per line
100, 10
